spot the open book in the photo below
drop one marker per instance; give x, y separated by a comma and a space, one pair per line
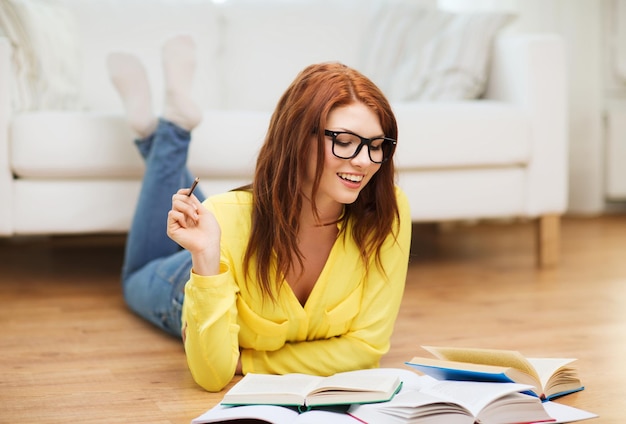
307, 391
549, 377
457, 402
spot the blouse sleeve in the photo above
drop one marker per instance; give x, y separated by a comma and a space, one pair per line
368, 337
210, 329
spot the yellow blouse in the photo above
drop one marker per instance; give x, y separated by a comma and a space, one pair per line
345, 324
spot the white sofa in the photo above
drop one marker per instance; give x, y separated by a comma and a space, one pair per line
68, 166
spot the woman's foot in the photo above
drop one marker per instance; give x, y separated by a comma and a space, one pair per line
179, 65
131, 81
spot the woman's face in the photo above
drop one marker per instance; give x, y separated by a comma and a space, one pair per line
343, 179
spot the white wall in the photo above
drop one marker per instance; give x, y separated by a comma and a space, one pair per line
614, 48
580, 22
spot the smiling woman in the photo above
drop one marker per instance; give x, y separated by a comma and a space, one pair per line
301, 271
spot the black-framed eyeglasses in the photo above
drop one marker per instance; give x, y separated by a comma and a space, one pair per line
347, 145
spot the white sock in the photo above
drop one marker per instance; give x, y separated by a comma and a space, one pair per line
179, 65
131, 81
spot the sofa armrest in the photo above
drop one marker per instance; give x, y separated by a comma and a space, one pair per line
529, 71
6, 177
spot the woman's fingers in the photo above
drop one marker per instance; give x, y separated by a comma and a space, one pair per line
193, 226
177, 218
185, 205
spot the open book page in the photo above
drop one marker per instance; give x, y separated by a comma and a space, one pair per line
271, 414
474, 396
497, 357
291, 389
454, 402
566, 414
546, 367
464, 371
410, 379
356, 381
411, 406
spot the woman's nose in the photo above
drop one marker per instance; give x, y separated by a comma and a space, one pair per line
362, 159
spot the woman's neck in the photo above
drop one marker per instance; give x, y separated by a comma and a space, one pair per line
328, 215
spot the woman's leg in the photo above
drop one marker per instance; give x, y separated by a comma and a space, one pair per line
156, 268
165, 174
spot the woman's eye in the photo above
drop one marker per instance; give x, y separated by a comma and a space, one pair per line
346, 140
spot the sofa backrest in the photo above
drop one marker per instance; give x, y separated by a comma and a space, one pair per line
250, 50
265, 44
140, 27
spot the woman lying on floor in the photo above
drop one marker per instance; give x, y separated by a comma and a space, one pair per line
301, 271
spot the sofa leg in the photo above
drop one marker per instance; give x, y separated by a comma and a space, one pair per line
548, 240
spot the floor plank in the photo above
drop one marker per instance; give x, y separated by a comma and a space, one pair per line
71, 351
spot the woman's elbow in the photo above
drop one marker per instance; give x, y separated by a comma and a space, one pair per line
212, 382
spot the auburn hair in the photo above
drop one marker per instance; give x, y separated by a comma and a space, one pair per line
281, 171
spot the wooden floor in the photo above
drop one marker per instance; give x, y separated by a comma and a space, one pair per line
71, 352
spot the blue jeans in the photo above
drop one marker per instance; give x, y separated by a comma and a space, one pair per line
156, 268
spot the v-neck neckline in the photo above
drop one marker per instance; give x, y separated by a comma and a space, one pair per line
320, 282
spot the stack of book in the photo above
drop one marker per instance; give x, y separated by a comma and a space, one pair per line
461, 386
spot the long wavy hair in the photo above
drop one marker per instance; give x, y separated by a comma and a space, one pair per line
281, 172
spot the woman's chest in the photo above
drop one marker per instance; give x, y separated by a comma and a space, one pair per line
329, 311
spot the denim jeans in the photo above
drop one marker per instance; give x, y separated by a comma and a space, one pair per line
156, 268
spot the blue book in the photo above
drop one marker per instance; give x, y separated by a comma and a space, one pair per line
550, 377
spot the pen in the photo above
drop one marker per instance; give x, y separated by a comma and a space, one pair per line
193, 186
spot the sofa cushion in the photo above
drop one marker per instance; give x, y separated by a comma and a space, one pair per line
463, 134
105, 205
78, 145
416, 53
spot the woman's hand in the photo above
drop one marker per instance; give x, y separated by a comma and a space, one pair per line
195, 228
